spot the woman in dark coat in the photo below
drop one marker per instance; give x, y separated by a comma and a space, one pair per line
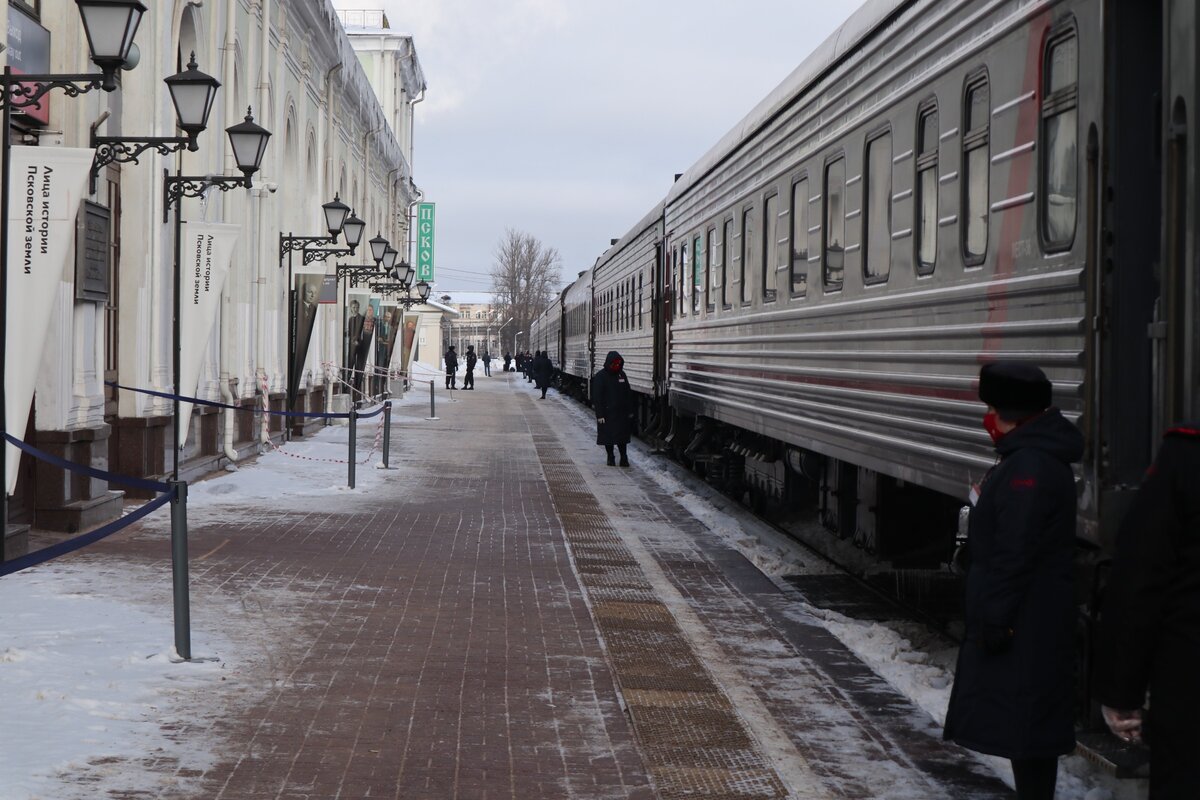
1012, 693
543, 372
612, 400
1150, 624
507, 360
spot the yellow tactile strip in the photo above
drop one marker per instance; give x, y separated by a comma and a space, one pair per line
693, 741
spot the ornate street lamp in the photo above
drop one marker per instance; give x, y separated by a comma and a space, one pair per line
389, 259
379, 246
110, 26
423, 291
335, 216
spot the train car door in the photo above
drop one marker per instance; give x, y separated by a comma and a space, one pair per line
660, 315
1176, 356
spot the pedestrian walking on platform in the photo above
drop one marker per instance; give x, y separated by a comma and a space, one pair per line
1150, 623
469, 375
528, 367
612, 400
451, 367
507, 360
487, 364
1012, 694
543, 372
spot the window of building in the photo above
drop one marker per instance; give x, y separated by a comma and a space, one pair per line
798, 271
726, 250
927, 189
976, 167
770, 247
877, 210
834, 234
1060, 135
749, 252
697, 273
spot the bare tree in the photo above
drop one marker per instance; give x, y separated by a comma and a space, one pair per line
523, 280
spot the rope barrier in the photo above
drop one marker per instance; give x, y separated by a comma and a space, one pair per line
198, 401
277, 449
91, 472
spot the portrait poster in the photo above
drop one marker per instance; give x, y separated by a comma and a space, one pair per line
306, 290
45, 190
206, 251
408, 342
357, 336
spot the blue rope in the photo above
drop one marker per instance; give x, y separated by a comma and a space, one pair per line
91, 472
71, 545
374, 413
214, 404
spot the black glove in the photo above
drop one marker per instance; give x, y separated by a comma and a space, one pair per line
996, 639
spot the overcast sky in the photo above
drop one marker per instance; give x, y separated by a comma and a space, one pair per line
567, 119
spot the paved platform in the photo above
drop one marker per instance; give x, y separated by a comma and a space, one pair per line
504, 616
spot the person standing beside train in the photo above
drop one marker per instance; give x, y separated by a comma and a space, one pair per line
1012, 694
1150, 623
543, 371
612, 400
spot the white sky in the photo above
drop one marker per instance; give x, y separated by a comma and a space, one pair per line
568, 119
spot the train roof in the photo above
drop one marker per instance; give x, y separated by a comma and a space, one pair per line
652, 216
871, 16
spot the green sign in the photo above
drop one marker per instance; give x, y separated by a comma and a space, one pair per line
425, 241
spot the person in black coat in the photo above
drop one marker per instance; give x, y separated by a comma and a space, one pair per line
612, 400
1150, 623
469, 375
507, 360
1012, 694
543, 372
451, 366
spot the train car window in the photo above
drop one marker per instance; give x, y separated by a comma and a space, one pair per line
711, 282
675, 277
877, 210
641, 308
976, 165
697, 273
749, 252
927, 189
799, 267
726, 249
770, 247
684, 269
834, 235
1060, 135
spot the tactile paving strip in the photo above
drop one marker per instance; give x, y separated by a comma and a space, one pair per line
693, 741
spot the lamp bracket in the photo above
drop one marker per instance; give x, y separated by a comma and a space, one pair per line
23, 91
177, 187
320, 254
126, 150
291, 244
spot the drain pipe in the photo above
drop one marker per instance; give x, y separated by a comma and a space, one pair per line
228, 380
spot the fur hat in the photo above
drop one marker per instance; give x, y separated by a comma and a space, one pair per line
1014, 388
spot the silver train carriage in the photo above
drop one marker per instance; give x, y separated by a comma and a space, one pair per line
575, 366
939, 185
545, 332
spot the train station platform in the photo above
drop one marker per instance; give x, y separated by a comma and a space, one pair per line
501, 615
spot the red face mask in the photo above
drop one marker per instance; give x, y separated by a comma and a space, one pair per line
616, 365
991, 424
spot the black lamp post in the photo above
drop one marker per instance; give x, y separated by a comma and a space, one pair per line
110, 26
193, 93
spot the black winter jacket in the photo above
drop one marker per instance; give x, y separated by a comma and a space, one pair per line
1150, 620
470, 360
543, 371
1012, 693
612, 400
451, 361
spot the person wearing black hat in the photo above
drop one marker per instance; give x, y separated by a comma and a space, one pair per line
614, 404
1149, 635
469, 375
451, 367
1012, 694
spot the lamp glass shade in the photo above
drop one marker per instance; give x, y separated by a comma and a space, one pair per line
389, 257
353, 227
404, 273
335, 215
249, 142
423, 290
378, 246
110, 26
193, 94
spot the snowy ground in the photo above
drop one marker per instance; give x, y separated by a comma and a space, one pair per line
90, 690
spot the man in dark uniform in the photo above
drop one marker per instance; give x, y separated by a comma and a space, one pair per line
469, 375
451, 367
1150, 624
612, 400
1012, 693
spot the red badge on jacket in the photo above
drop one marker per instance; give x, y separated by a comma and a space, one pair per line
1023, 483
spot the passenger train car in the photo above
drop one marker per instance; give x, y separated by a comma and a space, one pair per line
941, 184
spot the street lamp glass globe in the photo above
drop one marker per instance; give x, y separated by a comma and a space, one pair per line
353, 228
249, 142
110, 26
404, 273
423, 291
193, 94
378, 246
389, 258
335, 215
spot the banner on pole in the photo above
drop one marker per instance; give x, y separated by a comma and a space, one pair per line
307, 291
206, 250
46, 187
425, 242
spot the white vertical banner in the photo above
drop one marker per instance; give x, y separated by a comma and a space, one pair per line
205, 252
45, 186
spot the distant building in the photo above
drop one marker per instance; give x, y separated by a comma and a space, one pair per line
478, 322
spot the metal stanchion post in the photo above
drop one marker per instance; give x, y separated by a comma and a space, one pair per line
353, 442
179, 571
432, 413
387, 430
